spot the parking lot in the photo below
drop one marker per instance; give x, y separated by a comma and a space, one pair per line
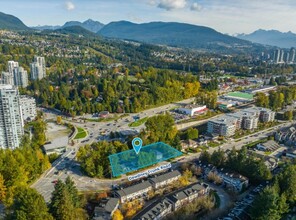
241, 208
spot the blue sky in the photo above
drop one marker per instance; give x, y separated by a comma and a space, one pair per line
226, 16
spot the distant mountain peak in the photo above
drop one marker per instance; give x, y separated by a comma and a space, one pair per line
90, 25
271, 37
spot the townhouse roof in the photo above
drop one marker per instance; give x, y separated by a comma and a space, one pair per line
155, 210
185, 193
133, 189
165, 177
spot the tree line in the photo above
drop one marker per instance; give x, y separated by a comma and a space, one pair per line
276, 100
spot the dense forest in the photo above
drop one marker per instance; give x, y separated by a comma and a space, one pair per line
77, 94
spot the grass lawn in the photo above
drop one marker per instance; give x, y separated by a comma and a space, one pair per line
81, 133
254, 144
213, 144
138, 123
116, 117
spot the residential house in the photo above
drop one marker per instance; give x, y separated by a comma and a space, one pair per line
233, 181
105, 210
188, 144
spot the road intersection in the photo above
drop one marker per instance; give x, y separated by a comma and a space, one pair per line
66, 165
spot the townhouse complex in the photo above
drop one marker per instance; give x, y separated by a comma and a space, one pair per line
142, 189
174, 202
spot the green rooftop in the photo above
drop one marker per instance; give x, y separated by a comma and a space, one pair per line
241, 95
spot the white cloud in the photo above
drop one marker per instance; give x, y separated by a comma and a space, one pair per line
69, 6
152, 3
172, 4
195, 7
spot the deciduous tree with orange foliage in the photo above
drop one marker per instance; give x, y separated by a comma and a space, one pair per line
117, 215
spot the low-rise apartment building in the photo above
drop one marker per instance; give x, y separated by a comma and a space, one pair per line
224, 126
264, 114
248, 119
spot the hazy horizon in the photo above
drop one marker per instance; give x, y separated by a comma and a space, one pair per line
231, 16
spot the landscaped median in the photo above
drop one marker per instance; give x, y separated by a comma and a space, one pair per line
81, 133
138, 122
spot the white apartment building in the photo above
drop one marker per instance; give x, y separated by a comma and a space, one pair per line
266, 115
7, 78
38, 68
16, 75
247, 120
20, 77
28, 107
11, 122
11, 65
225, 126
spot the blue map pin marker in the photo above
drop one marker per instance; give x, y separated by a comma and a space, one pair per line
137, 144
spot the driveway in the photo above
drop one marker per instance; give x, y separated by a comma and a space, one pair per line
225, 203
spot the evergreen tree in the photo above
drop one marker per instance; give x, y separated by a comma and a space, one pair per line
70, 186
269, 205
29, 204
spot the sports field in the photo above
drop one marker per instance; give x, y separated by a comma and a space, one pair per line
241, 95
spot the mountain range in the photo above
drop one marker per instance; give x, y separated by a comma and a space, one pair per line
169, 33
163, 33
271, 37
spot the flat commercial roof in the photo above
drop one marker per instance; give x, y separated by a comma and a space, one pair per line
241, 95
